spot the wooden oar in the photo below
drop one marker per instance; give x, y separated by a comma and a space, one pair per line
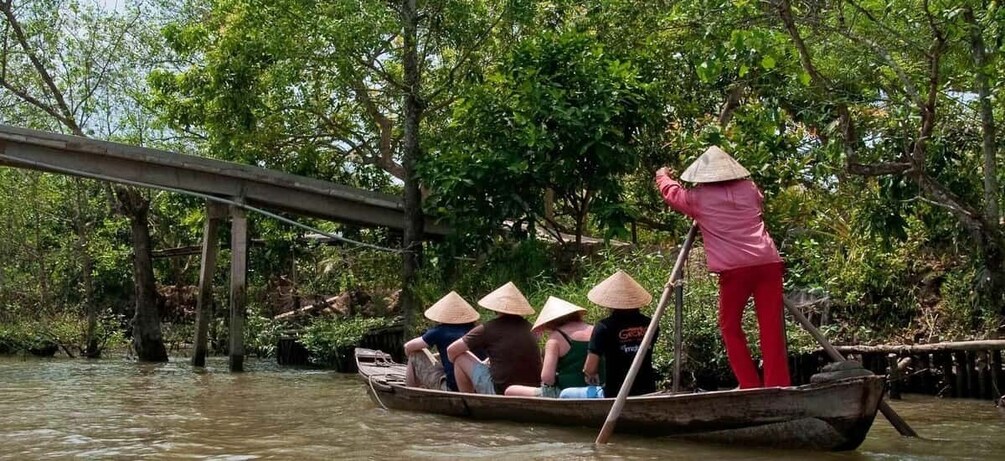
892, 416
619, 403
678, 333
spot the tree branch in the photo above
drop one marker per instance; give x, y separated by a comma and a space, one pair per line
731, 104
379, 70
928, 108
111, 50
878, 169
23, 95
848, 134
43, 73
467, 54
946, 198
384, 130
881, 25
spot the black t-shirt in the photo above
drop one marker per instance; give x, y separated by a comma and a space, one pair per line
617, 338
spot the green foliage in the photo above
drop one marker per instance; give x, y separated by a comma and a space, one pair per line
24, 336
557, 114
261, 334
65, 329
328, 338
585, 99
964, 315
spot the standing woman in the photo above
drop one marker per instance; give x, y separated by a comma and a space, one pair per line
564, 352
727, 206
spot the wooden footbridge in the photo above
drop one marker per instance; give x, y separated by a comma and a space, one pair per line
239, 185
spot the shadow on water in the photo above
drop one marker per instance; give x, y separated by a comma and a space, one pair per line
118, 409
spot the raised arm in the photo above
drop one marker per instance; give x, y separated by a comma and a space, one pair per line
674, 194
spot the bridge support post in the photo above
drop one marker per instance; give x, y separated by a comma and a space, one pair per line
238, 285
215, 215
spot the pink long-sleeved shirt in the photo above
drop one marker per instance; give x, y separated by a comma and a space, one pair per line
729, 215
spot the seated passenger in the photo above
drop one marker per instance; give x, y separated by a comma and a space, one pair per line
454, 318
513, 356
617, 337
564, 352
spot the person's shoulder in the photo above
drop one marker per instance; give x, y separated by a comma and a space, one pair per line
603, 325
746, 185
436, 331
511, 321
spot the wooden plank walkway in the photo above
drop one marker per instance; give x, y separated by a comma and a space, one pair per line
256, 186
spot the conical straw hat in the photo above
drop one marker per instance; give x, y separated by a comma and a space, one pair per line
507, 299
714, 165
555, 308
620, 291
452, 309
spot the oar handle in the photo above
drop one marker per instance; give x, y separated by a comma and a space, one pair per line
619, 403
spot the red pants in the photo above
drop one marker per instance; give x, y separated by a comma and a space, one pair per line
736, 286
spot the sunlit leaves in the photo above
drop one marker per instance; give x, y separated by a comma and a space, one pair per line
558, 114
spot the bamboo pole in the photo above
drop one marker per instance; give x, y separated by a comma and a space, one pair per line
981, 345
678, 333
892, 416
619, 403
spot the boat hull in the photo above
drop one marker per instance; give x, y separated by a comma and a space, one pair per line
835, 415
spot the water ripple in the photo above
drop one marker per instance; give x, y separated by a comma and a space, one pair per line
116, 409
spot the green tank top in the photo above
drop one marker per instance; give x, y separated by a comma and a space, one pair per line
569, 372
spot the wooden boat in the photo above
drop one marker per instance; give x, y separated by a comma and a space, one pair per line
834, 415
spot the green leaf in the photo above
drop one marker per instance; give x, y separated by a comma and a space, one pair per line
768, 62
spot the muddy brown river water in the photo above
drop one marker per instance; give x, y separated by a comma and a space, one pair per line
117, 409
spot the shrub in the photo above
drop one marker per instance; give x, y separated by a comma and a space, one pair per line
327, 339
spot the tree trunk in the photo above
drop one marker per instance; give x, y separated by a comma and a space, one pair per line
91, 347
993, 279
410, 156
988, 129
146, 323
990, 239
132, 204
40, 253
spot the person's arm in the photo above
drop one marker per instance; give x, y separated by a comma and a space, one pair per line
674, 194
591, 369
456, 349
415, 345
471, 340
550, 364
